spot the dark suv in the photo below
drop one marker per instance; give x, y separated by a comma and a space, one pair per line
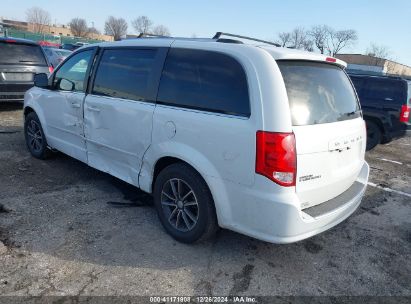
385, 103
20, 59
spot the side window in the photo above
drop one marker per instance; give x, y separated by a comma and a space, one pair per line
71, 75
126, 73
204, 80
384, 89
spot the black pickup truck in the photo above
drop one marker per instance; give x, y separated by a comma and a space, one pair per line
385, 102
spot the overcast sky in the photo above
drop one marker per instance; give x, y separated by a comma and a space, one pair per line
383, 22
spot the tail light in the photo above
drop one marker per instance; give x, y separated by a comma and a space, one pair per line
276, 157
51, 69
405, 113
330, 59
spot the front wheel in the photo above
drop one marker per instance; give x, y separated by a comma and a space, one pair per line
184, 204
35, 139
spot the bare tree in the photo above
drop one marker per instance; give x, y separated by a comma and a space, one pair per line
142, 24
161, 30
378, 51
284, 39
79, 28
337, 40
298, 39
93, 30
39, 18
319, 35
116, 27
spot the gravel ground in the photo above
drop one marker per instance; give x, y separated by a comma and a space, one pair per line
62, 233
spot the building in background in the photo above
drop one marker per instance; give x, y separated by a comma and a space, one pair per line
361, 64
56, 30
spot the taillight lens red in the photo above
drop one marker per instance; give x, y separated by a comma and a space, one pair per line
51, 69
330, 59
405, 113
276, 157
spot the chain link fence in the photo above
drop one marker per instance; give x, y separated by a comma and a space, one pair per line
45, 37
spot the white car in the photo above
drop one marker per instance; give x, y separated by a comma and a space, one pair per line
262, 140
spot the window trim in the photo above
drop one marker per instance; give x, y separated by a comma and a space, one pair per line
158, 68
207, 110
87, 76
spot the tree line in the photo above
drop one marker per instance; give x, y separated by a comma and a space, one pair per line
322, 38
116, 27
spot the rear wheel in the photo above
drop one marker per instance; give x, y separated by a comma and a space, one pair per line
373, 135
184, 204
35, 139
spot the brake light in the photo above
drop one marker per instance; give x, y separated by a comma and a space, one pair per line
51, 69
330, 59
276, 157
405, 113
10, 40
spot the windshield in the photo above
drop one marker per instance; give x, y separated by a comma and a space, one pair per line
318, 92
25, 54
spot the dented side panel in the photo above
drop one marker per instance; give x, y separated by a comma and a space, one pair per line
118, 132
63, 121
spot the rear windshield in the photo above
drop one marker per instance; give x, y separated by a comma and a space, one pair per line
318, 93
25, 54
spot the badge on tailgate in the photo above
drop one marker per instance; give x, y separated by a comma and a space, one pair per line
344, 143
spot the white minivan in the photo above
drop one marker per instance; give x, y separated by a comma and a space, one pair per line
259, 139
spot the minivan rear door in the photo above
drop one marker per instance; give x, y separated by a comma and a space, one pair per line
328, 127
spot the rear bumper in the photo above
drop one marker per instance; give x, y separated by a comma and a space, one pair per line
13, 91
282, 221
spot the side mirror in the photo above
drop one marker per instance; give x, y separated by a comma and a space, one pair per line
41, 80
66, 85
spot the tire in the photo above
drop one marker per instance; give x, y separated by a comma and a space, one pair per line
187, 217
373, 135
35, 138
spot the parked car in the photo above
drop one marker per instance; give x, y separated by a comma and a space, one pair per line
80, 44
385, 103
262, 140
69, 46
20, 59
56, 56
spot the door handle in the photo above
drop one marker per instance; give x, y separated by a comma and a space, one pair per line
93, 109
75, 105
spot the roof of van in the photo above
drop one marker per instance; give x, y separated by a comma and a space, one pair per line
278, 53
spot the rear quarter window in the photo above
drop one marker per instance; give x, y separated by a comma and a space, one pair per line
386, 90
204, 80
22, 54
318, 92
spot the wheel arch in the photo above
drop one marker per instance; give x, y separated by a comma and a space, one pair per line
28, 110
